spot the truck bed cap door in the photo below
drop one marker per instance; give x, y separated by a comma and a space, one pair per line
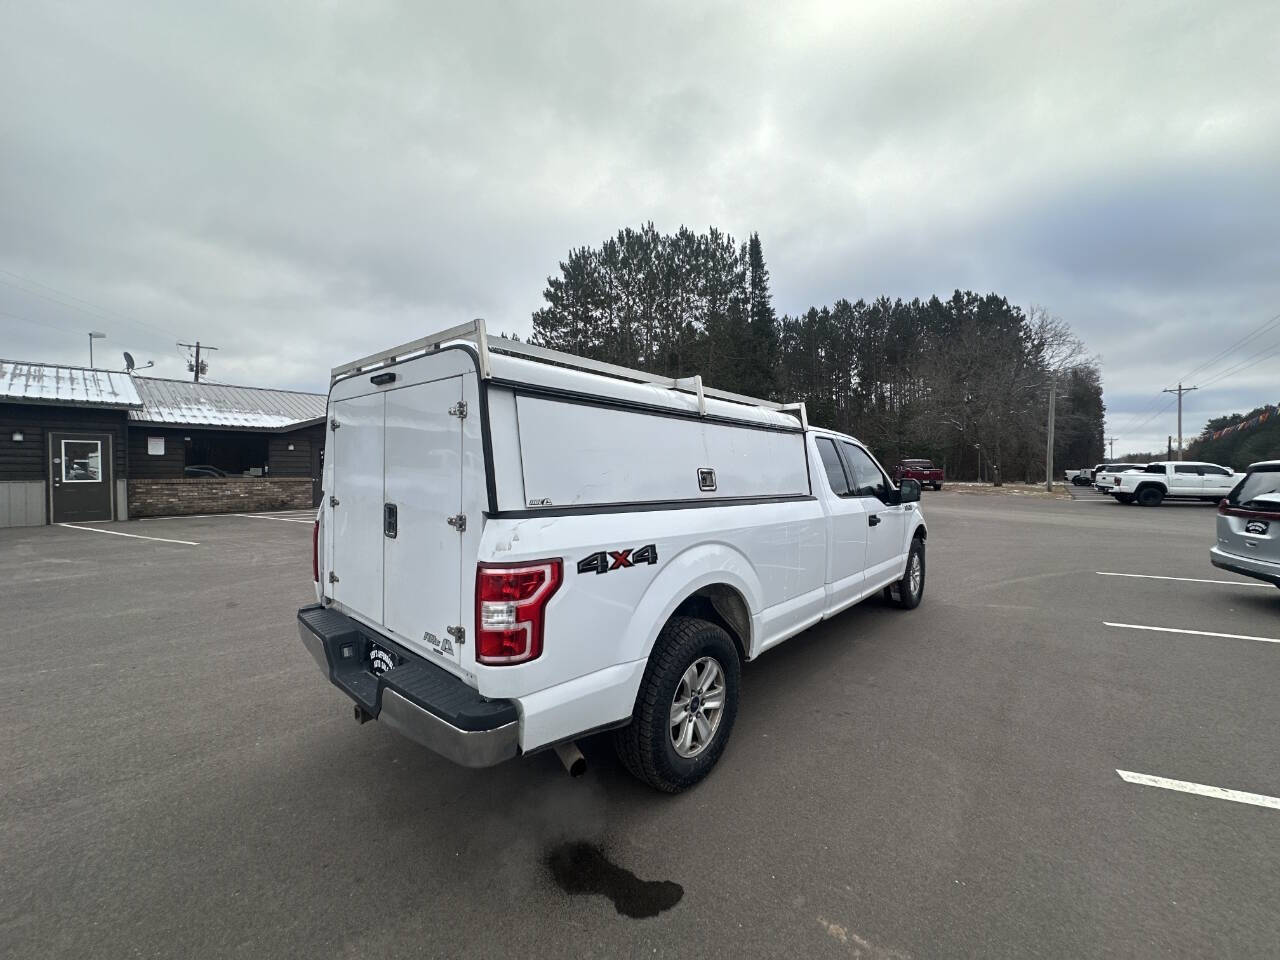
423, 481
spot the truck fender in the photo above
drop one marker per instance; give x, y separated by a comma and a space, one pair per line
682, 576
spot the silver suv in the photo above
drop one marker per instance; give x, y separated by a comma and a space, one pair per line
1249, 525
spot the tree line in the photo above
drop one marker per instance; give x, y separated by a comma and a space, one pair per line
1237, 448
963, 381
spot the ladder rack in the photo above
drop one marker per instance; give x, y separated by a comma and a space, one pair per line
474, 331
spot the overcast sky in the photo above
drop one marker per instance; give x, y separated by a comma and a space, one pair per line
299, 184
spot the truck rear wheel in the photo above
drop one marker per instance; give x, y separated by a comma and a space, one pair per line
685, 710
1150, 496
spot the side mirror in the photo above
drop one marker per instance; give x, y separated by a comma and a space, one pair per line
909, 491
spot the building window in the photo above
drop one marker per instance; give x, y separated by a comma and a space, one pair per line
81, 461
237, 454
155, 446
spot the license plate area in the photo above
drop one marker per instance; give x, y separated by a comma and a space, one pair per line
380, 659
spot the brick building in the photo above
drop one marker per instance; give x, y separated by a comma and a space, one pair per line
80, 444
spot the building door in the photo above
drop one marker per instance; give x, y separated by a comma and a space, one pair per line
317, 472
80, 477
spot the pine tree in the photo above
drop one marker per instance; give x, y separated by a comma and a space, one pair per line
762, 348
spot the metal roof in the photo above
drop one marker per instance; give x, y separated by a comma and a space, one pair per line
217, 405
74, 386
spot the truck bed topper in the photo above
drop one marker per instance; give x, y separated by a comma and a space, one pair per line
492, 354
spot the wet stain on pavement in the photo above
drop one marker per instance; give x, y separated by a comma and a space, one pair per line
582, 868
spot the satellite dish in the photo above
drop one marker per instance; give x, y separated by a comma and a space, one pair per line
128, 362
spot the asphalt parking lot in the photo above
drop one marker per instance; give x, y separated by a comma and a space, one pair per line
180, 781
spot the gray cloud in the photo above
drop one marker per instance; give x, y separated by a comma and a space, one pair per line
300, 184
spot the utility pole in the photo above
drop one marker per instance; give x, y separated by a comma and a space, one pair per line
1048, 452
1180, 391
1112, 441
196, 367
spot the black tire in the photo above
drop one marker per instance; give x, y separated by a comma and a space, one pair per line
937, 486
902, 593
1124, 497
645, 746
1150, 497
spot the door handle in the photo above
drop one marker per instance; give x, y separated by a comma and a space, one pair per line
390, 520
872, 520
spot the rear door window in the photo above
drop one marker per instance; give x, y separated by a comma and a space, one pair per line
834, 468
868, 481
1260, 490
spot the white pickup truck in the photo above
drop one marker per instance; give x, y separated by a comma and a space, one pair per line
518, 547
1156, 482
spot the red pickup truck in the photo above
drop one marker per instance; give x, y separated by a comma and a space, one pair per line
920, 470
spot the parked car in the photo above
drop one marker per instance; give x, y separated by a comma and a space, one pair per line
521, 547
1105, 478
921, 471
1249, 525
1079, 478
203, 470
1176, 479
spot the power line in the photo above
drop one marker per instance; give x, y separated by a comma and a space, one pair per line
1231, 349
1127, 425
99, 313
1250, 361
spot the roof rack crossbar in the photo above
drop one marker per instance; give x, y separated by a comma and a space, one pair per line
474, 331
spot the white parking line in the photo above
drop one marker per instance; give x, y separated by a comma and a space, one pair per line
132, 536
1201, 789
258, 516
1152, 576
1195, 633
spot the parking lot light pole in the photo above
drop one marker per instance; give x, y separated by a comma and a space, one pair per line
94, 335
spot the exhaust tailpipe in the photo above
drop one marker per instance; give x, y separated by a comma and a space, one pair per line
575, 764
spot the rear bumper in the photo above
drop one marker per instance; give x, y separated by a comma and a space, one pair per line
1246, 566
415, 697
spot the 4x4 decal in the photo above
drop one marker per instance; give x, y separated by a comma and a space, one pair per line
602, 561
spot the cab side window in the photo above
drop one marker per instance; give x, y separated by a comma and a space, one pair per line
868, 481
834, 468
1186, 468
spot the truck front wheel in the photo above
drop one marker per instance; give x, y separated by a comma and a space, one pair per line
909, 591
685, 710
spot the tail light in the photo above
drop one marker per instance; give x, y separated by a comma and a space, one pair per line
511, 601
315, 552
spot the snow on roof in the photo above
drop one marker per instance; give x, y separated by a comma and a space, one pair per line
75, 386
219, 405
